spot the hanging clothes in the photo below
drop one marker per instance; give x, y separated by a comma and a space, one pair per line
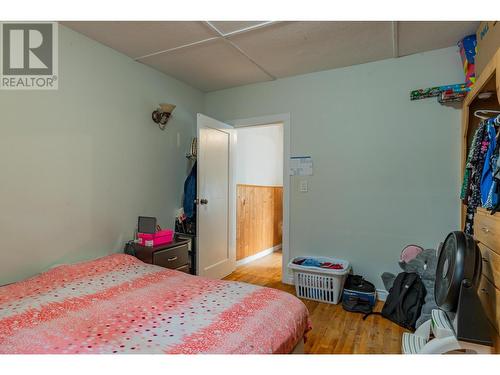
471, 160
490, 161
190, 193
494, 197
471, 186
480, 187
496, 186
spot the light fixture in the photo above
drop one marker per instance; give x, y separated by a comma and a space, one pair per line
162, 114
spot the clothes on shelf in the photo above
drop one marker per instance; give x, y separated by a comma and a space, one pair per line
480, 185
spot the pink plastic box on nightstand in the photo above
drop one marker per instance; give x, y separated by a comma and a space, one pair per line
159, 238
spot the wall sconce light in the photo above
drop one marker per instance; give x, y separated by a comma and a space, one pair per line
162, 114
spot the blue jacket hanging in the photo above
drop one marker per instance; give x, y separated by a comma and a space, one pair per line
190, 193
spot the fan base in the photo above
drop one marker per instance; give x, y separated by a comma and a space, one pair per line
444, 340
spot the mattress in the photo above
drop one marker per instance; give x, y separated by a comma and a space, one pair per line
118, 304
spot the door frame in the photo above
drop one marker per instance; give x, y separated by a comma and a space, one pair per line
283, 118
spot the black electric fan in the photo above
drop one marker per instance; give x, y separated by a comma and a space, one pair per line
457, 279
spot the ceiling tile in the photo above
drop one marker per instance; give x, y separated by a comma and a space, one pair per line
282, 48
292, 48
209, 66
137, 39
420, 36
226, 27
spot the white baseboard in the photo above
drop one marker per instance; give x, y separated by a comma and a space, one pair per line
260, 254
382, 294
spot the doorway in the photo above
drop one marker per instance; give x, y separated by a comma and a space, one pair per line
258, 182
281, 193
216, 207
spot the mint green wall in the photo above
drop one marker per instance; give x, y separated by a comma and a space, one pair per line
386, 170
80, 164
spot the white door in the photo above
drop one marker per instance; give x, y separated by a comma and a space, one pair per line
215, 246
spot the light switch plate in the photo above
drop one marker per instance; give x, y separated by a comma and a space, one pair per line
303, 187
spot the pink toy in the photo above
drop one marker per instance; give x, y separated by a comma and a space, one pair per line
410, 252
159, 238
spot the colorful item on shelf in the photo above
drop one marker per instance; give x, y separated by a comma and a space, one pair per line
450, 96
456, 92
425, 93
468, 50
437, 90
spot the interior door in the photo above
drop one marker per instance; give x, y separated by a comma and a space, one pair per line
215, 245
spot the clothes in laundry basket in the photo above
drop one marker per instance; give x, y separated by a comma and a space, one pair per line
311, 262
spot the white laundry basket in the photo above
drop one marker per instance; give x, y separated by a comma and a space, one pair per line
320, 284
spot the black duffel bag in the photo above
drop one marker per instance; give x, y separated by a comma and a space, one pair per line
358, 295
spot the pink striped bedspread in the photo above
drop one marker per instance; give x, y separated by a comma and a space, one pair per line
118, 304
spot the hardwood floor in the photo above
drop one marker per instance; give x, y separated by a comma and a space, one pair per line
335, 331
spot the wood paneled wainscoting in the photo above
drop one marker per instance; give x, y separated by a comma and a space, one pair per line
259, 219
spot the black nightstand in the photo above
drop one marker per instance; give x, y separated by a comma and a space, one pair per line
173, 255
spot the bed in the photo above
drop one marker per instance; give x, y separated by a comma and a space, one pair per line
118, 304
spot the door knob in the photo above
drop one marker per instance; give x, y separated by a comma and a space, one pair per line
203, 201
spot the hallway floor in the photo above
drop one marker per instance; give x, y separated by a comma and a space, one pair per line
335, 331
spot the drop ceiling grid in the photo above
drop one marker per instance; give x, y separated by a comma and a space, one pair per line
214, 55
236, 71
217, 33
137, 38
292, 48
208, 66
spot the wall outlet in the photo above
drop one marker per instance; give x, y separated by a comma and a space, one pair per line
303, 187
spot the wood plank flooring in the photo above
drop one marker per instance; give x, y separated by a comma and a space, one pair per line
335, 331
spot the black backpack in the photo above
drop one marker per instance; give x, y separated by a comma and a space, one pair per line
355, 302
405, 300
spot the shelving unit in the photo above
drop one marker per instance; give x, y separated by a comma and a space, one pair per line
489, 81
486, 226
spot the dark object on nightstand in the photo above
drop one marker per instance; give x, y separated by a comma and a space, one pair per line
129, 248
146, 224
173, 255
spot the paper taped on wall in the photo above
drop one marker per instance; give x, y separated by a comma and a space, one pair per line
301, 166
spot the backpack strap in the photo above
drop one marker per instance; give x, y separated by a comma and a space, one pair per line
412, 277
371, 313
